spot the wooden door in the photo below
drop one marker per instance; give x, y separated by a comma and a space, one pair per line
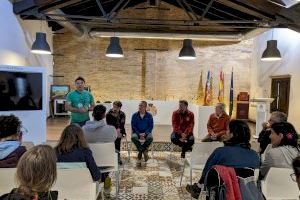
280, 91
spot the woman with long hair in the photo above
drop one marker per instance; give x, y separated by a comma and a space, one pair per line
236, 153
36, 174
72, 147
284, 141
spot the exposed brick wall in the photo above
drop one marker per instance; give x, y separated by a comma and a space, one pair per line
164, 77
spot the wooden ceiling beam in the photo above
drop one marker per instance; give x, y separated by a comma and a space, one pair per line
243, 9
25, 5
207, 8
57, 5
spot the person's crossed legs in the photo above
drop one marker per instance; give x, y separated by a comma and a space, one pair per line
186, 145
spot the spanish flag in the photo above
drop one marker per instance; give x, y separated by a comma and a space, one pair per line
221, 87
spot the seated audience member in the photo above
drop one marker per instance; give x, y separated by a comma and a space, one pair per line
284, 147
296, 167
217, 125
117, 118
72, 147
183, 125
236, 153
142, 125
35, 176
97, 131
10, 141
264, 136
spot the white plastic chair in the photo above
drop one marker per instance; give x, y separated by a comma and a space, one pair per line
76, 184
106, 159
199, 156
27, 144
7, 180
279, 185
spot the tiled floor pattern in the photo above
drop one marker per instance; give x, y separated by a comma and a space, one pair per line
158, 179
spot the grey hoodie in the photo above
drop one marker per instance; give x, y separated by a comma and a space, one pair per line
99, 132
281, 157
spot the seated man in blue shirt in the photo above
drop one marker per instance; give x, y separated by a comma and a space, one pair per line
142, 125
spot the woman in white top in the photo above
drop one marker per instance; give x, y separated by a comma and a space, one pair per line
284, 140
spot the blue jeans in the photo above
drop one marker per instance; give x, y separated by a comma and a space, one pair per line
141, 147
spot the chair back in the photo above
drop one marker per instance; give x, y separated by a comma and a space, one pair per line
70, 165
27, 144
104, 154
7, 180
279, 185
75, 184
202, 151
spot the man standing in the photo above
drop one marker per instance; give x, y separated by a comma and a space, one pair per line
217, 125
142, 125
264, 136
183, 125
79, 103
117, 118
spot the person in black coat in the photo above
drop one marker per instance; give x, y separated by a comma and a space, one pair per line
115, 117
264, 136
72, 147
36, 174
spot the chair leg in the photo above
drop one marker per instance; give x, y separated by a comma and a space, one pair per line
182, 173
191, 178
152, 152
171, 151
128, 149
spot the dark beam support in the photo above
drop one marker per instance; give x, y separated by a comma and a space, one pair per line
57, 5
243, 9
220, 17
101, 8
187, 12
116, 13
115, 8
207, 8
190, 9
25, 5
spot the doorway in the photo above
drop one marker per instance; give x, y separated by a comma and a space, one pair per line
280, 91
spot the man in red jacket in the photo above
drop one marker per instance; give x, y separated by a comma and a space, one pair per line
183, 125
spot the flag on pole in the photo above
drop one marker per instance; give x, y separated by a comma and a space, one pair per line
231, 95
221, 87
208, 90
200, 91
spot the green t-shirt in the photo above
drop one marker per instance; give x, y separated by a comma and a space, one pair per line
79, 100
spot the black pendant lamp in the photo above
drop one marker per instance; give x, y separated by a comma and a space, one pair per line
114, 50
40, 45
187, 52
271, 53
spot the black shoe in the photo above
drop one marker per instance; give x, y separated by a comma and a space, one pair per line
120, 162
140, 155
194, 190
183, 154
146, 156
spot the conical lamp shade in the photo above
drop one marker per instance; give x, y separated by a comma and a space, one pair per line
40, 45
271, 53
187, 52
114, 50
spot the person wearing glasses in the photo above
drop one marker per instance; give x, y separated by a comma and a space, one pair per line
296, 175
264, 136
284, 140
79, 103
10, 141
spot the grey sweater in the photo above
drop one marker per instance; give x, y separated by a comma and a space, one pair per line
281, 157
99, 132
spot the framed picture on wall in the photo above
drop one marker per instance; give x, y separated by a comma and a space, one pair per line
59, 91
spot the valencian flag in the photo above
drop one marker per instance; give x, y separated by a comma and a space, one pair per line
208, 90
221, 87
231, 95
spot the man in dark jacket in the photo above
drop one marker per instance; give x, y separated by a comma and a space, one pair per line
264, 136
183, 125
10, 141
115, 117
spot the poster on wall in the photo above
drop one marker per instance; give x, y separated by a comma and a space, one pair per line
22, 93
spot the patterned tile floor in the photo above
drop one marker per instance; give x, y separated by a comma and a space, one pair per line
158, 179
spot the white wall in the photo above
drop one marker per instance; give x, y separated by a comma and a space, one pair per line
289, 46
16, 38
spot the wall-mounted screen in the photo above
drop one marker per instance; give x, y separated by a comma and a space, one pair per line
21, 91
